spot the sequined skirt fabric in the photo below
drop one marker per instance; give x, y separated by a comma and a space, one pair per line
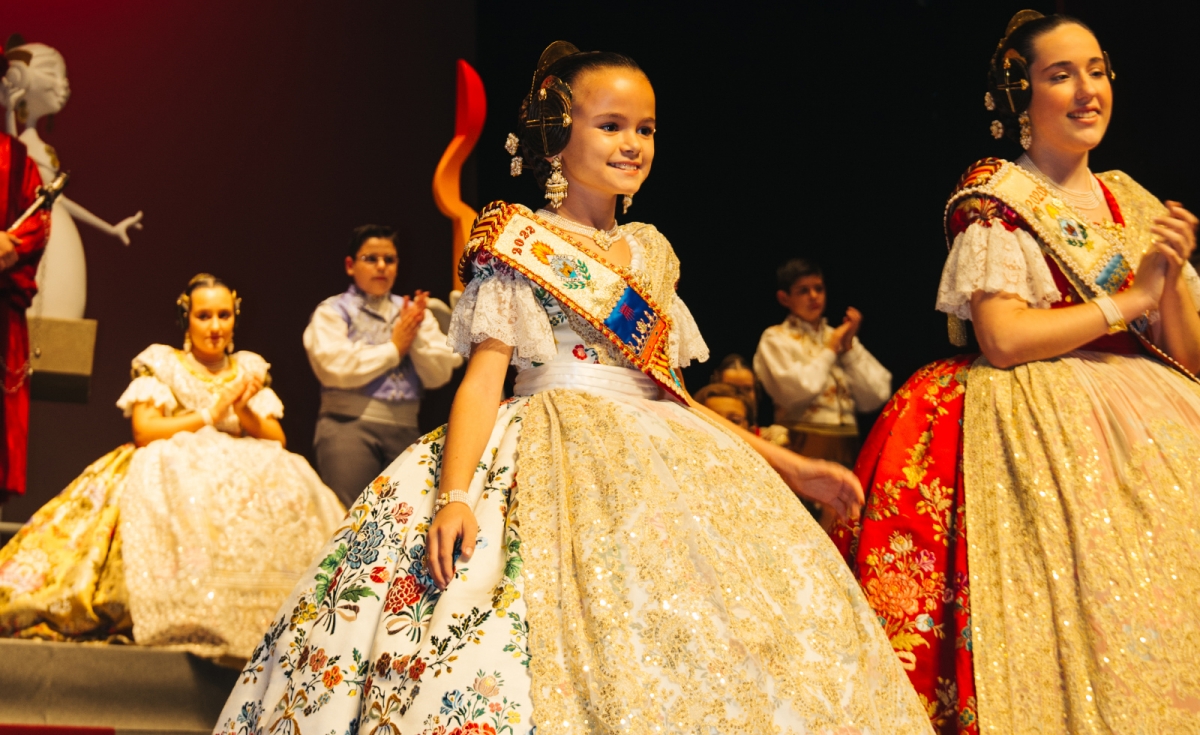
640, 571
1081, 479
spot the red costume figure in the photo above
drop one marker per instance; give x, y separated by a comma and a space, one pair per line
20, 252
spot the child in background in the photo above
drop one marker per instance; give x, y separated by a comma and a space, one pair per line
727, 401
818, 375
735, 372
374, 353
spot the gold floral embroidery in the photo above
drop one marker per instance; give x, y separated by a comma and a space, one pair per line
665, 585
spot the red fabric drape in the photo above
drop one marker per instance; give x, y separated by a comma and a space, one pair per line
19, 181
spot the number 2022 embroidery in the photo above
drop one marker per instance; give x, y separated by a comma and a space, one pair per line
520, 241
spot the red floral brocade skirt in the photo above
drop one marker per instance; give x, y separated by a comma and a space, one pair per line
909, 551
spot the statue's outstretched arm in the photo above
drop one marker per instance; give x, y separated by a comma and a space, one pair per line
119, 230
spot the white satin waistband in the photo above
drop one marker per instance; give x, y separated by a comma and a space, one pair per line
617, 382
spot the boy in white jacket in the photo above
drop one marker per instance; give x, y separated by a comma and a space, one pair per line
374, 353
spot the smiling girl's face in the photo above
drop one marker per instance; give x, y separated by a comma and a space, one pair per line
612, 134
1072, 96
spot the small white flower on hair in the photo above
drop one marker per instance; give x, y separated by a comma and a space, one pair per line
988, 102
512, 144
997, 129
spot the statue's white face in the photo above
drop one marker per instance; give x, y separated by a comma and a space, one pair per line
43, 79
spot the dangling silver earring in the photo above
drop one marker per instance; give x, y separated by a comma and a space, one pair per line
627, 202
187, 342
1026, 130
556, 185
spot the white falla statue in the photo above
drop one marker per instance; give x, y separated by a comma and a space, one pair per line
35, 86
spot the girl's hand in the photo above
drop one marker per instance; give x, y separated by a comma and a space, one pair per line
827, 483
227, 396
452, 524
1178, 232
252, 385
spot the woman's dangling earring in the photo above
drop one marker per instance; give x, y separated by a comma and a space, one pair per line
556, 185
187, 342
229, 346
1026, 130
627, 202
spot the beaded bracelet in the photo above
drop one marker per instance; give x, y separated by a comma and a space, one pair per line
454, 496
1112, 313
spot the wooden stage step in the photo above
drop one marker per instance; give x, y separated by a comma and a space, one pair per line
130, 690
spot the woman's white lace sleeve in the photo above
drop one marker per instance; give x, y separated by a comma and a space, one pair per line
991, 259
501, 305
147, 389
266, 403
685, 343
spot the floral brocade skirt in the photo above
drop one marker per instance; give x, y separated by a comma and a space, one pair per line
638, 569
1028, 543
189, 543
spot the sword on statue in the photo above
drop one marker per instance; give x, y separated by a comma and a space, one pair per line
45, 200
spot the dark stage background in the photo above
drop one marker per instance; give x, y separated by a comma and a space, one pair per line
255, 135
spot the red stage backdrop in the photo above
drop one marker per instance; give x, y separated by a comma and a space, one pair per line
254, 136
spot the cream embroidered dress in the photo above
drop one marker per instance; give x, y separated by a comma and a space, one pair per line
193, 540
638, 568
1081, 476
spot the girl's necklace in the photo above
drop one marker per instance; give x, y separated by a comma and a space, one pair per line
216, 367
1085, 200
603, 239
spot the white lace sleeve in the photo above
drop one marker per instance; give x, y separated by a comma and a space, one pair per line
501, 305
147, 389
266, 403
994, 260
685, 343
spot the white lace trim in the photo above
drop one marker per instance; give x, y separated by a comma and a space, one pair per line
685, 342
994, 260
266, 403
502, 306
147, 389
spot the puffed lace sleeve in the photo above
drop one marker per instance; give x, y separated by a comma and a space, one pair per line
266, 402
501, 304
989, 257
685, 343
147, 387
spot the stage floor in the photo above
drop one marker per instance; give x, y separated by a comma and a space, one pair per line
128, 689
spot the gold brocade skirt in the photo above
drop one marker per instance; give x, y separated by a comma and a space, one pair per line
1081, 477
61, 576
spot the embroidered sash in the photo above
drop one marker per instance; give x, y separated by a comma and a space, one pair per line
610, 300
1094, 264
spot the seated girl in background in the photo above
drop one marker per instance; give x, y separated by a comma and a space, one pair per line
191, 536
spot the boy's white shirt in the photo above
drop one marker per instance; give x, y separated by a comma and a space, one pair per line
810, 383
339, 362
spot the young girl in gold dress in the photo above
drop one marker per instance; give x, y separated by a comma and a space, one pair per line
596, 554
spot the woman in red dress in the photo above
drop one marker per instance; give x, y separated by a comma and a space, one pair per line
1030, 514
